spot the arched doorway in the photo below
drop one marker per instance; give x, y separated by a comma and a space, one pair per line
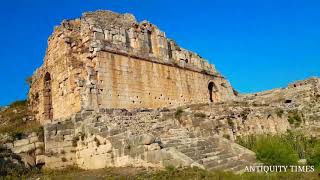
47, 94
211, 89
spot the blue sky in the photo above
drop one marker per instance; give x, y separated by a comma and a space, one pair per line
257, 45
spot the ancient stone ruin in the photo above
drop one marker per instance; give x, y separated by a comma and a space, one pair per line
108, 95
108, 60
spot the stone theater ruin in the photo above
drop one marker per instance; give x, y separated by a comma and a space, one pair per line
106, 60
108, 94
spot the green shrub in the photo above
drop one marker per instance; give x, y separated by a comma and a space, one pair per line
272, 150
230, 122
178, 113
294, 118
248, 141
298, 141
269, 147
279, 113
314, 157
18, 104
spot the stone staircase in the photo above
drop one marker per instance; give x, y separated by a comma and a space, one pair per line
211, 152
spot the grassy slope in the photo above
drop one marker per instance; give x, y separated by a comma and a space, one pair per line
168, 173
14, 120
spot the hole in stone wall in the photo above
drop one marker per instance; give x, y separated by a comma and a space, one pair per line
47, 94
127, 39
150, 42
288, 101
169, 50
211, 89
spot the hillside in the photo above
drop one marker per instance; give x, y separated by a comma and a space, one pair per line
16, 121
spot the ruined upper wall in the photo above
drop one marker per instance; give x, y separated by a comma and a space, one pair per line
121, 33
109, 60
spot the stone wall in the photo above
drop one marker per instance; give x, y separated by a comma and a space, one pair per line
126, 82
109, 60
93, 141
30, 149
55, 85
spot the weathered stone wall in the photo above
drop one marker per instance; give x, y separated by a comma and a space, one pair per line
60, 146
126, 82
30, 149
54, 89
93, 141
235, 119
179, 137
109, 60
138, 138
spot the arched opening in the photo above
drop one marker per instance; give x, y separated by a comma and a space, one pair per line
211, 89
47, 94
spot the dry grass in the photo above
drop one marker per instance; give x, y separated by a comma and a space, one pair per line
15, 120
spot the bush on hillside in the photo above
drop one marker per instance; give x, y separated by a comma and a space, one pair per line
286, 148
272, 150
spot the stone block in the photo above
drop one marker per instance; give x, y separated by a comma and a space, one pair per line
34, 139
98, 35
40, 159
39, 151
24, 148
21, 142
152, 147
146, 139
8, 145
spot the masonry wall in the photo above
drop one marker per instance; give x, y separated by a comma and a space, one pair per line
62, 67
134, 83
108, 60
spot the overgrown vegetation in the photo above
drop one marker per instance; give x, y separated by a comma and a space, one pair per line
280, 112
168, 173
16, 120
294, 118
284, 149
178, 113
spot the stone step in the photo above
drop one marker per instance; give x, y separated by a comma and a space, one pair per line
184, 141
209, 160
241, 167
228, 165
216, 164
169, 138
207, 151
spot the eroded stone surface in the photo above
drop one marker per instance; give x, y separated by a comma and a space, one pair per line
109, 60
